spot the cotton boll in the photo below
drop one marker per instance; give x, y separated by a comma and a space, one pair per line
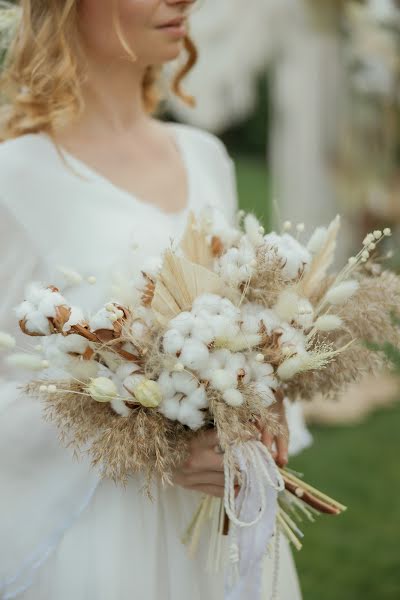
76, 316
250, 324
236, 362
120, 407
183, 323
222, 380
339, 294
125, 370
166, 384
198, 398
317, 240
228, 309
49, 303
186, 383
7, 342
36, 322
194, 354
223, 327
293, 254
170, 407
101, 320
328, 323
260, 370
209, 302
190, 416
233, 397
73, 343
173, 341
24, 309
202, 332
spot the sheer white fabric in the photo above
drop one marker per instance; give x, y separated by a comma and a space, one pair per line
63, 533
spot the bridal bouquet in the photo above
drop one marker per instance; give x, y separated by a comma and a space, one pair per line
229, 320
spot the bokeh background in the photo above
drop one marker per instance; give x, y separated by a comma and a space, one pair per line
305, 94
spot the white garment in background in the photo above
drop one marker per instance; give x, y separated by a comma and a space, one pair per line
63, 533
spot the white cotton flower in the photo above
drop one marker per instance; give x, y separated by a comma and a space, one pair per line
73, 343
222, 380
233, 397
261, 370
173, 341
102, 389
170, 407
317, 240
295, 257
223, 327
101, 320
250, 325
7, 341
202, 331
25, 361
120, 407
194, 354
185, 382
339, 294
183, 323
125, 370
328, 323
190, 416
166, 384
75, 318
35, 320
253, 230
211, 303
198, 398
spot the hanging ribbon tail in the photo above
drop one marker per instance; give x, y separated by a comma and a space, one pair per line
252, 516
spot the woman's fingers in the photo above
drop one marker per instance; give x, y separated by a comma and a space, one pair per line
281, 454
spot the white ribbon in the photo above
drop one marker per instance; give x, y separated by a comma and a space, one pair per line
252, 516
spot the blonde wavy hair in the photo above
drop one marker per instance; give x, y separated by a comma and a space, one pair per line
42, 74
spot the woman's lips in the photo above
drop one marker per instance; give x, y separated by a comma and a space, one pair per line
176, 28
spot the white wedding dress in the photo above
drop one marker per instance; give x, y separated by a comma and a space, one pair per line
65, 534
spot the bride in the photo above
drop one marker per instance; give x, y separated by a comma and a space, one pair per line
92, 184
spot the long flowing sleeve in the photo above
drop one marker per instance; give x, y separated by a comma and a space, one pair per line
43, 489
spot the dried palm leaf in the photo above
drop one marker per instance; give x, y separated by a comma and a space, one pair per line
179, 283
194, 244
321, 262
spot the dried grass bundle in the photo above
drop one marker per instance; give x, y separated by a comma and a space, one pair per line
145, 442
268, 280
366, 318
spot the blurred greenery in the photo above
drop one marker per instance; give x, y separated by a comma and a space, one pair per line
254, 187
354, 556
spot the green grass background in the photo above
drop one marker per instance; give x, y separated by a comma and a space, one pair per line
355, 556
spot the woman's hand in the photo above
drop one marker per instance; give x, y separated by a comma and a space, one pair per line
280, 451
203, 471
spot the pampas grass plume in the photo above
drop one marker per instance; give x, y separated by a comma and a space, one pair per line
317, 240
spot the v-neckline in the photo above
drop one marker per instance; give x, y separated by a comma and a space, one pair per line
95, 175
